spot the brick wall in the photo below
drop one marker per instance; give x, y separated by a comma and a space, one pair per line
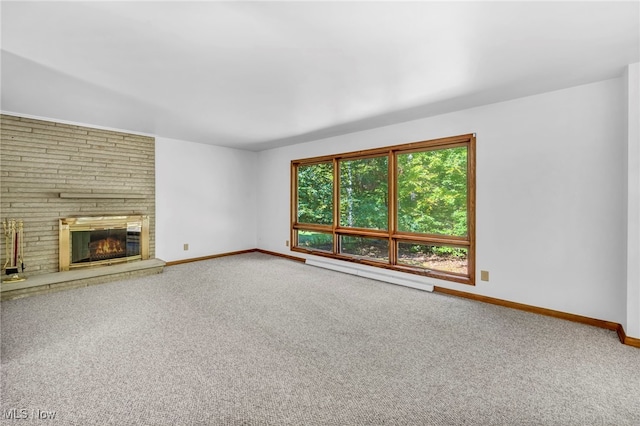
40, 159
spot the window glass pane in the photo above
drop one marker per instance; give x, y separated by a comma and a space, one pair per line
440, 258
315, 240
371, 248
432, 192
315, 194
364, 193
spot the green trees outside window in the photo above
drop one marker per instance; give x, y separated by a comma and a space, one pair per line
408, 207
376, 249
364, 193
432, 192
315, 194
315, 240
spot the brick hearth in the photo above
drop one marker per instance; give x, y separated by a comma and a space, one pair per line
48, 283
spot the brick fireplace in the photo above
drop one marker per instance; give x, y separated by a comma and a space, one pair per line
51, 171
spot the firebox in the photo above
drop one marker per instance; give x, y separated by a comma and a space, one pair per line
102, 240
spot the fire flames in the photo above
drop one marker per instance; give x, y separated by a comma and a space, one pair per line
108, 246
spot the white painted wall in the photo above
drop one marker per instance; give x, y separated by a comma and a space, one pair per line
632, 80
551, 209
206, 197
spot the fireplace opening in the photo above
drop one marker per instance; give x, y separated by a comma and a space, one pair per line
92, 246
92, 241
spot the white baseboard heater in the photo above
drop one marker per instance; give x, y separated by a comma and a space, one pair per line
369, 272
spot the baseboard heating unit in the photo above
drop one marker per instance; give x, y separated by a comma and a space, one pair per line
369, 272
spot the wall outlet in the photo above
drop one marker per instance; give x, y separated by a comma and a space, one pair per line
185, 247
484, 275
286, 243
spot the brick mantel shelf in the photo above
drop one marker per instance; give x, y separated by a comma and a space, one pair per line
101, 195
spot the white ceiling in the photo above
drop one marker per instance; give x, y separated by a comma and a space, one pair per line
255, 75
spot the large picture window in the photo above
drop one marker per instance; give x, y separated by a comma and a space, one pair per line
407, 207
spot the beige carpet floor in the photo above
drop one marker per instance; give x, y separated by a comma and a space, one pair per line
259, 340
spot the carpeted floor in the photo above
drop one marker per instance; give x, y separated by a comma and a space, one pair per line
259, 340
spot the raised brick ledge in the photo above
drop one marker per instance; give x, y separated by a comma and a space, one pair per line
47, 283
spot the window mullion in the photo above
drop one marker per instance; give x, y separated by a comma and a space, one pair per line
336, 204
393, 197
471, 206
293, 210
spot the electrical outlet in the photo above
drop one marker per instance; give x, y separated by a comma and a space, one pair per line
484, 275
186, 247
286, 243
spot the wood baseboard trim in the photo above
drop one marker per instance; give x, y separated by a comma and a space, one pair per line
233, 253
609, 325
213, 256
286, 256
631, 341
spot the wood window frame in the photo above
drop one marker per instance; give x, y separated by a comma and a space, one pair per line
391, 233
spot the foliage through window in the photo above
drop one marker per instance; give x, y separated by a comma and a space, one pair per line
432, 192
364, 193
406, 207
315, 193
